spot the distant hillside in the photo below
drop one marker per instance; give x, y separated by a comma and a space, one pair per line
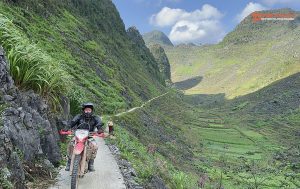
157, 37
249, 58
247, 31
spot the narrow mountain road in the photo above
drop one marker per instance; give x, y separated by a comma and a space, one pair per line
144, 104
107, 174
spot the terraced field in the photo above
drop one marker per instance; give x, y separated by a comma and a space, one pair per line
218, 137
236, 131
219, 144
218, 140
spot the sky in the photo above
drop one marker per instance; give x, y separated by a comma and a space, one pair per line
197, 21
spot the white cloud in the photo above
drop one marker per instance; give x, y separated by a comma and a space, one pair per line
250, 7
168, 16
205, 31
201, 26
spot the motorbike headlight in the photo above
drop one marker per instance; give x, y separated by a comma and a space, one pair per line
81, 134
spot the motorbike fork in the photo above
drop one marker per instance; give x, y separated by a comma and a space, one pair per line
83, 163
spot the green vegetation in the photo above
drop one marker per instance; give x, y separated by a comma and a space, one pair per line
2, 107
162, 60
148, 164
220, 143
89, 43
30, 67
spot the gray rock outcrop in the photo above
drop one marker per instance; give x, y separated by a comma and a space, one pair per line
25, 130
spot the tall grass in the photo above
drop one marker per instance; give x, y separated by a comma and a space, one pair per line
30, 67
148, 165
182, 180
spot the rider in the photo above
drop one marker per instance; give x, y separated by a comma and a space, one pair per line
93, 122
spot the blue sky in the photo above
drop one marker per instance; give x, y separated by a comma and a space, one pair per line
198, 21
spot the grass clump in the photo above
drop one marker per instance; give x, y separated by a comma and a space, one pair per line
30, 67
182, 180
148, 164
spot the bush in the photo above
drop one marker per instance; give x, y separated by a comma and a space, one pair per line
182, 180
30, 67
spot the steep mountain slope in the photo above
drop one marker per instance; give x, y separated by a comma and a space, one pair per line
249, 58
162, 60
98, 61
89, 40
157, 37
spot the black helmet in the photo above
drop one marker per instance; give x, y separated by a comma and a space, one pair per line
87, 105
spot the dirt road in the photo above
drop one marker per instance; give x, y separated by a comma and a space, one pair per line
106, 176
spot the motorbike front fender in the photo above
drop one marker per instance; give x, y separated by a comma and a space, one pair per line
79, 147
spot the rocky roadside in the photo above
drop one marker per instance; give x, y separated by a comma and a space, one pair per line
28, 134
129, 173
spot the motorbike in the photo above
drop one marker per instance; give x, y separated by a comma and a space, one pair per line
79, 160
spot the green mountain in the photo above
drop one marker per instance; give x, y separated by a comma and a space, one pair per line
157, 37
249, 58
247, 31
79, 50
107, 64
68, 52
162, 60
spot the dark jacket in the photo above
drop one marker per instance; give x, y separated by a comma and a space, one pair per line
94, 122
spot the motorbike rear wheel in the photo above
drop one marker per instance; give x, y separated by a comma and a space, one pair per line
75, 172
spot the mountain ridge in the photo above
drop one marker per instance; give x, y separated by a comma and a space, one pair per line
157, 37
254, 55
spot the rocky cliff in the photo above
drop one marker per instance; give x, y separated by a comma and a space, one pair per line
162, 60
28, 133
152, 66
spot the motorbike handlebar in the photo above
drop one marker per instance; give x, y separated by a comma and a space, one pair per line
64, 132
92, 134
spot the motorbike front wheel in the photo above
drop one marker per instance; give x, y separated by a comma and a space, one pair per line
75, 172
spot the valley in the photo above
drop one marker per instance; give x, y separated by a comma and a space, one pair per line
186, 116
